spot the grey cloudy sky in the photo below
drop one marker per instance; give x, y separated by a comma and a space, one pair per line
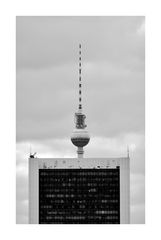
113, 93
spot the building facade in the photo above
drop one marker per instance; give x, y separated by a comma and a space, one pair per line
79, 191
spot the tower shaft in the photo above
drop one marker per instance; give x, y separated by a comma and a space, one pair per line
80, 152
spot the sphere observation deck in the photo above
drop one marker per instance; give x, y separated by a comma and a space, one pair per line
80, 137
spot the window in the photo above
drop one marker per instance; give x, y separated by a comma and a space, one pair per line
79, 196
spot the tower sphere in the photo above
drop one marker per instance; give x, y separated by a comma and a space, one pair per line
80, 137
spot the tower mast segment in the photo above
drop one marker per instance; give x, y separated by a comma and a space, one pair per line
80, 136
80, 80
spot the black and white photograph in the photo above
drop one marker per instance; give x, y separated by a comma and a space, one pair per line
80, 120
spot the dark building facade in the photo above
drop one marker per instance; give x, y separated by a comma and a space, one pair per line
79, 191
79, 196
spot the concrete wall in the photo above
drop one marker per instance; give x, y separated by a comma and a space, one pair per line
33, 191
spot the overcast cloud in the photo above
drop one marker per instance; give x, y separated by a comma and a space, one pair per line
113, 94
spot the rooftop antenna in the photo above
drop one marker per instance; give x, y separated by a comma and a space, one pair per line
128, 154
80, 137
30, 149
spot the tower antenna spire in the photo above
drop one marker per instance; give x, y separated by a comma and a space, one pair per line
80, 78
80, 136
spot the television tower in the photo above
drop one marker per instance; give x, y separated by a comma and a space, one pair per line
80, 136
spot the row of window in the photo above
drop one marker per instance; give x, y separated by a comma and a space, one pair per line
54, 201
72, 208
78, 217
93, 221
78, 179
68, 173
84, 185
101, 212
75, 196
76, 191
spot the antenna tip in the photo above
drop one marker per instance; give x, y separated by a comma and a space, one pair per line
128, 153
